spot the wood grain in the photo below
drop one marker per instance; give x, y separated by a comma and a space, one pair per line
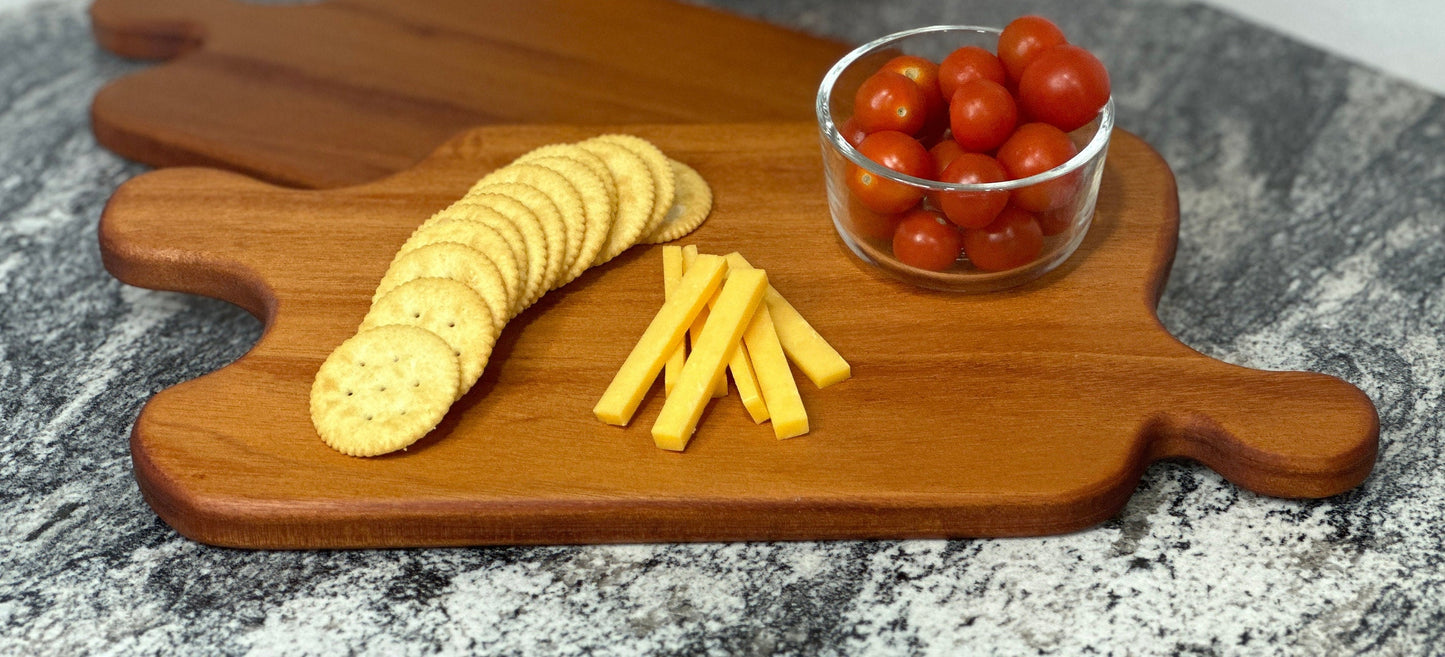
346, 91
1032, 411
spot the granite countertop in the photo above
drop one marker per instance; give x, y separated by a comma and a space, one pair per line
1312, 197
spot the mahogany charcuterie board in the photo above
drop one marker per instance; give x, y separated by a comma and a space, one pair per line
1032, 411
342, 92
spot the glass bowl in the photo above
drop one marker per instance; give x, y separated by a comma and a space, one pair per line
1074, 185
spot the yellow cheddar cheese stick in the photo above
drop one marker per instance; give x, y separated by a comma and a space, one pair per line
746, 379
780, 391
662, 336
740, 366
671, 275
818, 360
689, 252
739, 300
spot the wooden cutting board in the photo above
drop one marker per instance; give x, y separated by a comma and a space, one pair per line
1032, 411
345, 91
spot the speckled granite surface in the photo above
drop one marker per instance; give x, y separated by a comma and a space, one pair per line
1313, 237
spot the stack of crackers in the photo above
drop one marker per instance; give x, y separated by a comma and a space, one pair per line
522, 230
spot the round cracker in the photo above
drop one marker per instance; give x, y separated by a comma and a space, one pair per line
451, 310
635, 190
479, 235
662, 180
598, 208
541, 239
575, 152
690, 206
563, 194
548, 216
383, 389
458, 262
513, 237
465, 209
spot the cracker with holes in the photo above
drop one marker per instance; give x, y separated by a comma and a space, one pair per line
458, 262
477, 235
498, 221
383, 389
451, 310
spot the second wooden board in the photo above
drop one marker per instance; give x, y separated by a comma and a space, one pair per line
346, 91
1031, 411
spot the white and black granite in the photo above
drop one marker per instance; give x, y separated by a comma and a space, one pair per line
1313, 203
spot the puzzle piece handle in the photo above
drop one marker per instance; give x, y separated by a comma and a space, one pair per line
205, 253
1291, 434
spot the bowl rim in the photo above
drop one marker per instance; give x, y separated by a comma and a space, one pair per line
1097, 143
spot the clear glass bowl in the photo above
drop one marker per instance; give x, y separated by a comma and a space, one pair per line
859, 227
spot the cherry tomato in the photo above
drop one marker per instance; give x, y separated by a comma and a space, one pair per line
982, 115
851, 132
965, 64
889, 101
923, 73
973, 209
867, 223
934, 127
900, 153
1024, 39
1056, 221
1012, 240
943, 153
1065, 87
924, 239
1036, 148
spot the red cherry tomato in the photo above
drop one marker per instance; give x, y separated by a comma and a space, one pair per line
943, 153
1012, 240
1065, 87
973, 209
900, 153
1035, 148
889, 101
982, 115
851, 132
1024, 39
1056, 221
923, 73
924, 239
965, 64
870, 224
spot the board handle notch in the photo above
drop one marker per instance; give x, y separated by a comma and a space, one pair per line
137, 250
1303, 435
